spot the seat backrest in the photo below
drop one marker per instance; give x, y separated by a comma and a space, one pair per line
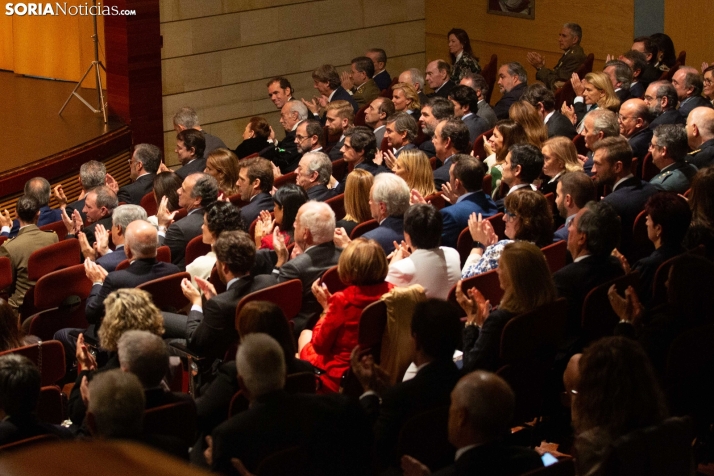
556, 255
215, 280
175, 419
56, 226
598, 318
478, 147
682, 58
301, 382
499, 226
527, 334
487, 283
163, 254
384, 145
371, 328
363, 228
649, 170
339, 169
359, 115
166, 291
286, 295
437, 200
641, 244
48, 356
5, 273
50, 406
195, 248
285, 179
659, 287
332, 279
53, 257
239, 403
29, 442
579, 142
667, 75
53, 288
564, 95
337, 203
294, 461
464, 245
487, 184
237, 201
148, 203
489, 74
425, 437
434, 163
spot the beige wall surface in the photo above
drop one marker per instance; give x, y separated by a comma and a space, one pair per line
688, 22
218, 54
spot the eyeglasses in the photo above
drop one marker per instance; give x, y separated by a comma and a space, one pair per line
622, 118
708, 81
301, 138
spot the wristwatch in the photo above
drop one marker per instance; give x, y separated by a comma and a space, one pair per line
478, 244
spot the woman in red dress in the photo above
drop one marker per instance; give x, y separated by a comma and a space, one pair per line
362, 267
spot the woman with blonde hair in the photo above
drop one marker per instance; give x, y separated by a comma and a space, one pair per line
128, 309
406, 98
523, 113
559, 157
525, 278
358, 184
593, 91
414, 167
222, 165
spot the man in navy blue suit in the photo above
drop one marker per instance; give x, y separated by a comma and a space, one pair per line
465, 103
39, 189
466, 179
379, 60
327, 81
573, 191
451, 137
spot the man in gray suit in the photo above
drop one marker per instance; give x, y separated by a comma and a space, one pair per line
478, 83
376, 114
466, 106
669, 149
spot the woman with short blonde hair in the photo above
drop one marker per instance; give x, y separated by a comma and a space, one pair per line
406, 99
357, 186
128, 309
414, 167
559, 156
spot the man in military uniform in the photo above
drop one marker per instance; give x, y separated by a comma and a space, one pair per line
359, 82
700, 133
669, 148
29, 239
573, 56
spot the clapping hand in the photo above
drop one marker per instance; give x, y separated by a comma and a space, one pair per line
101, 234
85, 360
623, 261
60, 196
535, 59
569, 112
321, 293
390, 159
263, 226
370, 375
416, 198
111, 183
629, 308
208, 289
341, 238
163, 216
482, 230
577, 84
346, 80
5, 219
190, 292
475, 305
94, 272
279, 246
313, 105
448, 193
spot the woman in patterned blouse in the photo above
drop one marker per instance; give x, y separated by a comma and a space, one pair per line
461, 54
528, 217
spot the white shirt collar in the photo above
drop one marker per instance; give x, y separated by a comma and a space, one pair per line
548, 116
463, 450
378, 128
620, 181
467, 115
459, 56
580, 258
329, 98
520, 186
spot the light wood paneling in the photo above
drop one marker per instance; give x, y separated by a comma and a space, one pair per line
6, 57
688, 23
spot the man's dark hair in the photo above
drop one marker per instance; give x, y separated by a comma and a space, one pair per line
674, 138
381, 55
456, 130
601, 225
465, 96
470, 171
692, 79
530, 158
436, 327
538, 93
39, 189
314, 128
672, 212
442, 65
386, 107
19, 385
650, 47
223, 216
364, 64
639, 60
424, 223
623, 73
618, 150
404, 122
236, 250
576, 30
284, 83
150, 156
259, 168
665, 89
193, 139
478, 81
516, 69
207, 188
27, 208
441, 108
579, 186
362, 140
327, 74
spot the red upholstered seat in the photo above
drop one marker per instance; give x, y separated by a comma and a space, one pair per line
363, 228
49, 358
286, 295
58, 227
195, 248
166, 292
148, 203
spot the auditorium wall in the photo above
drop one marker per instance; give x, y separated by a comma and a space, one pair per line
688, 22
218, 54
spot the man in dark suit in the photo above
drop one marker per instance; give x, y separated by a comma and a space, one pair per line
438, 74
543, 100
313, 234
327, 81
98, 207
197, 192
661, 99
612, 158
39, 189
313, 174
339, 117
92, 174
143, 166
465, 107
669, 150
414, 77
102, 254
376, 113
186, 118
190, 144
285, 153
700, 135
597, 125
480, 86
379, 60
573, 191
620, 75
634, 120
523, 165
436, 332
451, 137
255, 182
434, 110
466, 180
689, 85
573, 56
512, 82
400, 131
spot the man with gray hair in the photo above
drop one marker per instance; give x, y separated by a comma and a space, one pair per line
313, 175
143, 166
700, 135
414, 77
400, 131
92, 174
115, 407
285, 153
620, 75
512, 82
432, 111
689, 85
39, 189
597, 125
573, 56
661, 99
478, 83
669, 148
186, 118
98, 207
438, 77
100, 252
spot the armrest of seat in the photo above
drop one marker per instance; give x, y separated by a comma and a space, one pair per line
183, 351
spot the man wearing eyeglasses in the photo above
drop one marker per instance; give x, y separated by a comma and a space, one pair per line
661, 100
143, 166
634, 120
308, 136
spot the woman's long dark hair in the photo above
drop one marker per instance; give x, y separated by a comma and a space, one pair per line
290, 197
166, 184
463, 38
10, 333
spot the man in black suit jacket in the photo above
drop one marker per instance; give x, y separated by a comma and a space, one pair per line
400, 132
661, 100
512, 82
186, 118
285, 153
339, 118
143, 166
438, 74
379, 60
190, 144
255, 182
102, 254
543, 100
313, 174
197, 192
465, 103
327, 81
451, 137
436, 332
688, 83
98, 207
700, 136
436, 109
634, 119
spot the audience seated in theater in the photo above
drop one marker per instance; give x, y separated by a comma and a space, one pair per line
339, 118
506, 134
92, 174
522, 167
18, 249
437, 75
362, 268
451, 136
478, 83
388, 200
637, 63
559, 157
573, 56
314, 253
255, 137
668, 217
358, 81
217, 217
465, 104
327, 81
277, 420
432, 111
620, 75
700, 134
197, 192
462, 56
313, 175
528, 217
101, 253
543, 100
190, 146
415, 78
648, 48
222, 165
186, 118
11, 334
359, 150
592, 235
523, 113
661, 99
597, 126
690, 304
19, 394
376, 114
593, 92
669, 149
435, 332
284, 153
573, 191
143, 166
287, 200
419, 259
406, 99
480, 415
465, 183
166, 184
379, 60
98, 207
39, 189
633, 401
634, 120
357, 209
413, 166
512, 83
255, 183
701, 202
308, 136
708, 82
280, 91
689, 85
401, 131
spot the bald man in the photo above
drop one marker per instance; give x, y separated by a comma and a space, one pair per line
700, 135
634, 121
